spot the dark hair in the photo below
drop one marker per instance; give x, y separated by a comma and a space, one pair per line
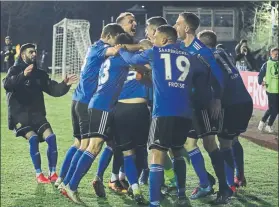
169, 31
26, 46
112, 29
124, 38
121, 16
243, 41
208, 37
191, 19
274, 49
156, 21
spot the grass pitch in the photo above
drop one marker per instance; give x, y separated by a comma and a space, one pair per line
19, 189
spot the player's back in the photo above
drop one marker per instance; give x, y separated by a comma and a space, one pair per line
170, 67
235, 91
112, 76
133, 88
90, 71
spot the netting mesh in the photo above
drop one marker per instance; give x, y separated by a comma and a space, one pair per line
71, 40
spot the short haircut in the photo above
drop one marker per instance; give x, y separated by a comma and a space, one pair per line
169, 31
274, 49
124, 38
146, 42
191, 19
156, 21
113, 29
208, 37
122, 16
26, 46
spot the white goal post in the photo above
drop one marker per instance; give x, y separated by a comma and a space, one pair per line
70, 42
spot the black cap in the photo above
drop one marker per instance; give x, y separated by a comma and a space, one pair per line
25, 46
8, 38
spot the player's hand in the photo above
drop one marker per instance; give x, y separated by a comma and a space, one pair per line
28, 70
215, 108
70, 79
138, 76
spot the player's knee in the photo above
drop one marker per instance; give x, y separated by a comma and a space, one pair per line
128, 152
84, 144
191, 144
76, 143
47, 133
158, 156
95, 145
30, 134
209, 143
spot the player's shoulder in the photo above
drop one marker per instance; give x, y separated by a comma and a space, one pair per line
98, 45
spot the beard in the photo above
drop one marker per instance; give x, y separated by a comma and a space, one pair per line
30, 60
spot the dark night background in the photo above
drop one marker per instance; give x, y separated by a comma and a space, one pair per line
33, 21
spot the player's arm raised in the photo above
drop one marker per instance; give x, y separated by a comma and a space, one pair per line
142, 58
16, 77
55, 89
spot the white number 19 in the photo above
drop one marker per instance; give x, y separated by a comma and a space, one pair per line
180, 67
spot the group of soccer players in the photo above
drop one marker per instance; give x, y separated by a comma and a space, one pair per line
197, 93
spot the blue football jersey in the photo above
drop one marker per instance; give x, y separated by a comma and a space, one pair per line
133, 88
235, 91
88, 82
170, 69
198, 48
112, 76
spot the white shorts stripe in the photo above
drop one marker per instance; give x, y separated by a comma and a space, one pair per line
103, 122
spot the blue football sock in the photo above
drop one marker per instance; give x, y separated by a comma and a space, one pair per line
238, 158
199, 167
229, 166
73, 166
52, 153
131, 169
156, 179
82, 168
104, 161
179, 167
67, 161
35, 154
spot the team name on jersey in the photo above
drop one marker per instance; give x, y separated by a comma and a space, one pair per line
168, 50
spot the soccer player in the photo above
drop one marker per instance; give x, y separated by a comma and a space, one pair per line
117, 182
24, 85
112, 75
95, 56
205, 122
237, 107
269, 71
172, 111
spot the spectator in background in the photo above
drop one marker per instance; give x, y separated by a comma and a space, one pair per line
244, 57
44, 61
8, 52
269, 71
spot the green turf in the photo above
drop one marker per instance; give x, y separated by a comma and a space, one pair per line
19, 189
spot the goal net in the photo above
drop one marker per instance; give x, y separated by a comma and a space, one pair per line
71, 40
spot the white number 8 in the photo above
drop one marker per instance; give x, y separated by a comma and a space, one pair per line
179, 60
105, 75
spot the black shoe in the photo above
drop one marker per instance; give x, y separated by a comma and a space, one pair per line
223, 197
99, 188
180, 202
140, 200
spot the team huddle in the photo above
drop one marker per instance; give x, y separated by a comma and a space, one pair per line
161, 94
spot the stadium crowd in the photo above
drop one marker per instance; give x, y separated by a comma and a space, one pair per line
198, 93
